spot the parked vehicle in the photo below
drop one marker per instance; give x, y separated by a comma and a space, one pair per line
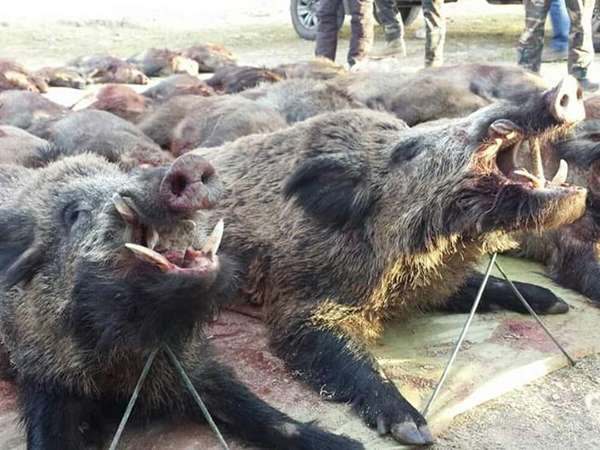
304, 15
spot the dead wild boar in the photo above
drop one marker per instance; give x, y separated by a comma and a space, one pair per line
180, 84
28, 110
209, 57
160, 124
162, 62
109, 69
440, 92
101, 267
63, 77
490, 82
119, 100
15, 76
223, 119
17, 145
102, 133
299, 99
316, 68
350, 219
234, 79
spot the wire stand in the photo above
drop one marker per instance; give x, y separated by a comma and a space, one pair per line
493, 262
188, 384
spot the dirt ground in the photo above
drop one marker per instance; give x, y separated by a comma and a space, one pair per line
560, 411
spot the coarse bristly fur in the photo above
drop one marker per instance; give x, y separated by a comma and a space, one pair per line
79, 314
571, 253
350, 219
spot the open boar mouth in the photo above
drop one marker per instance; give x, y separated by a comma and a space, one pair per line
146, 246
501, 157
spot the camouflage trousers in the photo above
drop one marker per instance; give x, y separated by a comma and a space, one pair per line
581, 49
435, 27
435, 32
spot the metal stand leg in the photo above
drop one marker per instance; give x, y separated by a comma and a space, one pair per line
533, 313
133, 399
194, 392
188, 384
463, 333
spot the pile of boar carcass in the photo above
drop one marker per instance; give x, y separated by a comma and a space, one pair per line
348, 199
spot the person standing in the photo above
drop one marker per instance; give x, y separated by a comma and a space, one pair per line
559, 45
361, 27
435, 32
581, 49
393, 29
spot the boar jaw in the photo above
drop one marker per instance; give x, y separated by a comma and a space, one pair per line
146, 245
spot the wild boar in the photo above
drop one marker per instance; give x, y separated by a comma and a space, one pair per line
99, 268
180, 84
299, 99
162, 62
17, 145
63, 77
102, 133
109, 69
28, 110
15, 76
349, 219
223, 119
209, 57
122, 101
234, 79
316, 68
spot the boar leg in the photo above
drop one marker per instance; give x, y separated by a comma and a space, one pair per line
499, 295
234, 407
336, 367
575, 265
56, 420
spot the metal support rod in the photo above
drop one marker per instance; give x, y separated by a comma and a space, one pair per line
533, 313
463, 333
133, 399
190, 386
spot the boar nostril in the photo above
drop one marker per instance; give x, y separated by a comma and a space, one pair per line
564, 101
178, 184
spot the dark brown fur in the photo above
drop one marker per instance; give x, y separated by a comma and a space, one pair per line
181, 84
162, 62
17, 145
122, 101
233, 79
63, 77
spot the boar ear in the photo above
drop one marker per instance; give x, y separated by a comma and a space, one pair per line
331, 189
19, 255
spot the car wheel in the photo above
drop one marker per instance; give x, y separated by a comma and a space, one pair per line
304, 18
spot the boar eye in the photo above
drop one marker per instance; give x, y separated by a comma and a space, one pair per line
73, 214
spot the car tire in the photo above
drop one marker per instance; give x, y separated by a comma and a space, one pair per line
304, 18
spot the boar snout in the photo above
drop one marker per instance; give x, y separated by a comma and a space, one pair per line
190, 184
565, 101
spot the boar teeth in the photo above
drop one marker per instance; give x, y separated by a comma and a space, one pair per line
149, 256
152, 238
537, 183
561, 173
536, 159
123, 208
214, 240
